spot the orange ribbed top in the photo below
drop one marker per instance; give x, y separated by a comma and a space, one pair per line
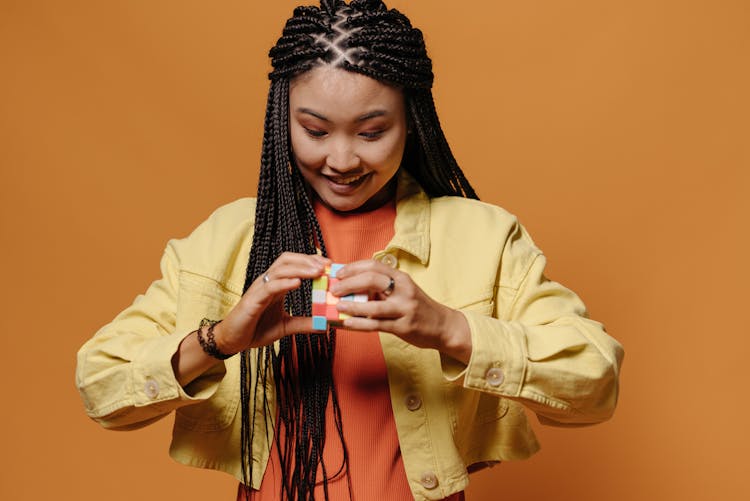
359, 370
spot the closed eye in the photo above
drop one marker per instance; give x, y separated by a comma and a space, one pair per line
315, 133
371, 135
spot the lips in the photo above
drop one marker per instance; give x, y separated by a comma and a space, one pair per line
344, 185
346, 180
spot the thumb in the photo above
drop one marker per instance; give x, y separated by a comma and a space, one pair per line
296, 325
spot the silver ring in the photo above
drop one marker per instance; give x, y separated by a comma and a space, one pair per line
389, 290
266, 278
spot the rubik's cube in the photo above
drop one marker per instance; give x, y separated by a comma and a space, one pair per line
324, 303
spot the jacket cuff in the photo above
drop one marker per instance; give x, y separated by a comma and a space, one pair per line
498, 356
153, 379
454, 371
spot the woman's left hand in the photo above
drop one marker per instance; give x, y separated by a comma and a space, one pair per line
405, 310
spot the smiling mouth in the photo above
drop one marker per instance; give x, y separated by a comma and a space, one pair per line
347, 181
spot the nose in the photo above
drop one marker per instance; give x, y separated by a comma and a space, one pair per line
342, 157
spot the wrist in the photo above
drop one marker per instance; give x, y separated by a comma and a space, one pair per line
223, 340
456, 337
207, 339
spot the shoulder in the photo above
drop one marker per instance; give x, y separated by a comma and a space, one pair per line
228, 221
468, 216
240, 212
218, 248
483, 231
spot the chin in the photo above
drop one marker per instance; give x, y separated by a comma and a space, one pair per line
343, 205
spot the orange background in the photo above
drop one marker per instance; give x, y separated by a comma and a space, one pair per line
617, 130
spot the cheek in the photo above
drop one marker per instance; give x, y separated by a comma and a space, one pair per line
306, 154
384, 155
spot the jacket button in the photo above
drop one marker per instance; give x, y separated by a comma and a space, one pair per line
494, 376
413, 402
151, 389
428, 480
389, 260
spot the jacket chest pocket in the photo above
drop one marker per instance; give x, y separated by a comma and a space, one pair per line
201, 297
479, 299
483, 306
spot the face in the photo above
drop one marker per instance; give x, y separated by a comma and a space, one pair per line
348, 133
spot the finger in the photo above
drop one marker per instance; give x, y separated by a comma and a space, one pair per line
263, 294
366, 265
371, 324
372, 282
293, 270
289, 326
280, 286
372, 309
298, 325
297, 258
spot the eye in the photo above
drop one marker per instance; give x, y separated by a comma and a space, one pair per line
315, 133
371, 135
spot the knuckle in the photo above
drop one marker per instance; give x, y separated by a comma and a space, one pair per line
285, 256
411, 323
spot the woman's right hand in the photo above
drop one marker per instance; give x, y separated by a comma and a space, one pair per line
259, 318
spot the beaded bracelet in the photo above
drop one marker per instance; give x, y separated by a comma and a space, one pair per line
209, 343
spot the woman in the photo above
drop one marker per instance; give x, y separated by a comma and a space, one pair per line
421, 384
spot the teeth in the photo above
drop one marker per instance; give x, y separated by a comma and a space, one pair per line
349, 180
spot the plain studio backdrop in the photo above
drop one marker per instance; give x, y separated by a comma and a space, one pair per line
616, 130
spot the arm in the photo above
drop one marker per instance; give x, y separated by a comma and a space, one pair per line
148, 361
540, 347
125, 374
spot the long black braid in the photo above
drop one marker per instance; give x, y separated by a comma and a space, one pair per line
366, 37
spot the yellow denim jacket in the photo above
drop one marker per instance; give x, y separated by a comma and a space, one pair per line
533, 346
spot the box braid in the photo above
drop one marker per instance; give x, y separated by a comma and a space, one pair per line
366, 37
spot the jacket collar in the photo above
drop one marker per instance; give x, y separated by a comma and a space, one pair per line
412, 225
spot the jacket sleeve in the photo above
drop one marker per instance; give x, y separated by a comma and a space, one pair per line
540, 347
124, 373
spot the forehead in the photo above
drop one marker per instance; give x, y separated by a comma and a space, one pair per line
337, 92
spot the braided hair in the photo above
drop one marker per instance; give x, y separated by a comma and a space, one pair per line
365, 37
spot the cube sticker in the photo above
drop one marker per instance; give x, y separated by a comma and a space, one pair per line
324, 303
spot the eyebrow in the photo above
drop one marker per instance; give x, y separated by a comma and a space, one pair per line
366, 116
